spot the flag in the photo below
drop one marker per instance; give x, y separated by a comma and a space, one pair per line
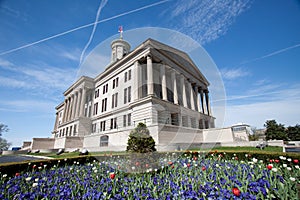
120, 29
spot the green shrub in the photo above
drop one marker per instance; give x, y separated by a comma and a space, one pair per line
140, 140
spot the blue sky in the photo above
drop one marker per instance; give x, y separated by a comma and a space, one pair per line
255, 45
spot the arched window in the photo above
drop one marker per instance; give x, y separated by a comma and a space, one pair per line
104, 141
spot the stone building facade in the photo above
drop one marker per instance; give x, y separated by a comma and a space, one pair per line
155, 84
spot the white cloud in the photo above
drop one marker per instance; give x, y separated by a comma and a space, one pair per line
10, 82
27, 105
206, 20
37, 75
279, 103
231, 74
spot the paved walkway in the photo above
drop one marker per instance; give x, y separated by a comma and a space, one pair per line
19, 158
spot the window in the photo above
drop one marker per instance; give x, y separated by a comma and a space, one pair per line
70, 133
104, 141
75, 129
102, 126
113, 123
96, 93
94, 128
125, 78
129, 74
95, 109
174, 119
124, 120
104, 104
114, 101
67, 131
129, 94
129, 119
115, 82
105, 88
125, 95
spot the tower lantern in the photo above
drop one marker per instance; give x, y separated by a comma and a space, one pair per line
119, 47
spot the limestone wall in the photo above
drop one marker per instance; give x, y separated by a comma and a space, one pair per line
223, 135
42, 143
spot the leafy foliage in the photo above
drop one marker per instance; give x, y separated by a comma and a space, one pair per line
4, 145
293, 132
3, 128
275, 131
140, 140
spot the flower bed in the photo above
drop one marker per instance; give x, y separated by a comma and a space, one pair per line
218, 176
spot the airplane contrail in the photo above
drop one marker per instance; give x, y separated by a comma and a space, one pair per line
272, 54
82, 27
102, 4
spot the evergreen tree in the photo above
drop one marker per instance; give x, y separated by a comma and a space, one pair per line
140, 140
293, 132
275, 131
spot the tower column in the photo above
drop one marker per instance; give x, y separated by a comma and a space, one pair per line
150, 76
175, 93
182, 82
82, 101
163, 82
65, 111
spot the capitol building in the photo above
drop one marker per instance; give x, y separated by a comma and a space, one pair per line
154, 83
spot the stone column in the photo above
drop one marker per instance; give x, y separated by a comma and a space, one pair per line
78, 103
136, 83
163, 82
202, 102
56, 122
70, 108
150, 87
192, 101
198, 99
182, 82
175, 93
74, 106
207, 102
82, 101
67, 109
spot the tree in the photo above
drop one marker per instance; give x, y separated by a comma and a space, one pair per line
4, 145
140, 140
275, 131
3, 128
293, 132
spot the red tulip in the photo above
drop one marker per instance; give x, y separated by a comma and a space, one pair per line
34, 166
147, 165
112, 175
271, 161
18, 174
296, 161
188, 165
277, 161
137, 163
195, 158
269, 167
170, 163
236, 191
203, 168
172, 166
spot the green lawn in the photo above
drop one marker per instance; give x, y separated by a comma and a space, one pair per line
220, 149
